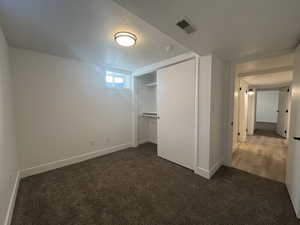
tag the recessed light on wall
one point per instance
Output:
(125, 39)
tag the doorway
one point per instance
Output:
(261, 117)
(263, 150)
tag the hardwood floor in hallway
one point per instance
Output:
(262, 155)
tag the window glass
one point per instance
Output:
(108, 79)
(117, 80)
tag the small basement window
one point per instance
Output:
(117, 80)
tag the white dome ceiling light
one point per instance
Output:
(125, 39)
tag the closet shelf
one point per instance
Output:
(151, 84)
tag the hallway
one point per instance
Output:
(262, 155)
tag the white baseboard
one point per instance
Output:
(202, 172)
(143, 141)
(75, 159)
(146, 141)
(208, 173)
(214, 168)
(12, 200)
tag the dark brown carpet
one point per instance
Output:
(135, 186)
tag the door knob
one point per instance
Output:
(297, 138)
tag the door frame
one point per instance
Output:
(153, 68)
(233, 95)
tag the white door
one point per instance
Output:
(288, 116)
(283, 112)
(286, 113)
(293, 161)
(176, 110)
(251, 113)
(243, 112)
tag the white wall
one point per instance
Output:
(147, 127)
(293, 165)
(146, 94)
(235, 87)
(243, 111)
(251, 113)
(64, 109)
(267, 106)
(8, 157)
(219, 111)
(204, 114)
(213, 112)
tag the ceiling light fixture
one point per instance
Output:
(125, 39)
(250, 91)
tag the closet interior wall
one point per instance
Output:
(147, 108)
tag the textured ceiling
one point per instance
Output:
(232, 29)
(83, 29)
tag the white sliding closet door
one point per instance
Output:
(176, 109)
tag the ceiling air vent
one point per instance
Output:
(184, 25)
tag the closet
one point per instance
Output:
(146, 91)
(166, 111)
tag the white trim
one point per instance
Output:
(12, 201)
(164, 63)
(196, 155)
(231, 119)
(144, 141)
(75, 159)
(208, 173)
(134, 113)
(214, 169)
(202, 172)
